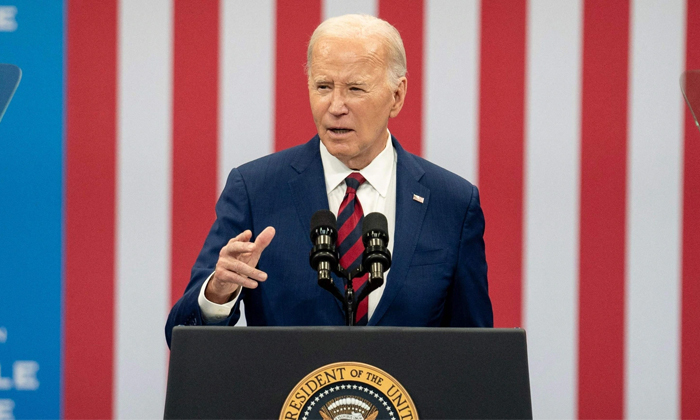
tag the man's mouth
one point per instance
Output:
(339, 130)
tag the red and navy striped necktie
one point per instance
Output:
(350, 247)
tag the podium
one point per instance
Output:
(254, 372)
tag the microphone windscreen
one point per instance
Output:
(374, 222)
(322, 218)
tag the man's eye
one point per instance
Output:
(323, 87)
(356, 89)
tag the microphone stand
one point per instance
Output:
(350, 301)
(327, 265)
(324, 258)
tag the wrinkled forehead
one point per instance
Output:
(330, 47)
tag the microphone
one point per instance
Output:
(376, 258)
(324, 257)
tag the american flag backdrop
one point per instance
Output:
(567, 114)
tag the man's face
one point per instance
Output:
(351, 99)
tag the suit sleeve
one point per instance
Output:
(469, 304)
(233, 216)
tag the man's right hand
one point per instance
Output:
(236, 266)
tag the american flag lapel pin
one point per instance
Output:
(418, 198)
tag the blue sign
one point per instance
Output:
(31, 211)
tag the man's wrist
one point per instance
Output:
(219, 298)
(213, 312)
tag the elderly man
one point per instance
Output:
(356, 68)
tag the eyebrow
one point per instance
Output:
(324, 80)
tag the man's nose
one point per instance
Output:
(337, 103)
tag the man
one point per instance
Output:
(356, 68)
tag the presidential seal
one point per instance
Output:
(348, 391)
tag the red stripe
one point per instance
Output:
(351, 223)
(352, 254)
(407, 17)
(603, 200)
(195, 95)
(501, 137)
(690, 302)
(90, 209)
(296, 21)
(344, 204)
(362, 307)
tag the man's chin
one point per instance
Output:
(339, 151)
(336, 147)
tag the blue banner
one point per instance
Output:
(31, 210)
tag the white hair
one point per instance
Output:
(364, 26)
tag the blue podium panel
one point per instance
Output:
(31, 188)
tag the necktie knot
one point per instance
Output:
(353, 181)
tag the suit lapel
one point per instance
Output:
(309, 188)
(409, 219)
(308, 185)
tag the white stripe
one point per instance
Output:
(246, 70)
(143, 206)
(654, 209)
(451, 85)
(553, 98)
(332, 8)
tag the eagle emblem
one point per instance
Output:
(349, 408)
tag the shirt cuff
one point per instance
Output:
(213, 313)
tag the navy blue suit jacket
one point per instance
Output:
(438, 271)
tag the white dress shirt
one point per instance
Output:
(376, 194)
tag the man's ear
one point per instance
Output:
(399, 97)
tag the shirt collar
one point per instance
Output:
(377, 173)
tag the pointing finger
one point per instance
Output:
(243, 269)
(232, 278)
(235, 248)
